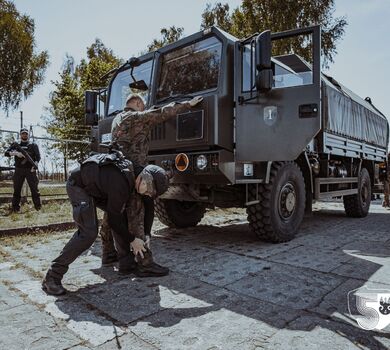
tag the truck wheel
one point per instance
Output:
(174, 213)
(358, 205)
(282, 204)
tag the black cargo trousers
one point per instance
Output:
(84, 215)
(20, 175)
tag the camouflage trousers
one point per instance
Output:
(386, 200)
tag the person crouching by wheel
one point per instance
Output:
(105, 181)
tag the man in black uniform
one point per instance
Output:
(25, 170)
(106, 181)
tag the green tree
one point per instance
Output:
(65, 114)
(21, 67)
(168, 36)
(6, 138)
(100, 60)
(255, 16)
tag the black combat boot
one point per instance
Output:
(146, 267)
(53, 286)
(152, 270)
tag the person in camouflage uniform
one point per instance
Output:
(386, 200)
(131, 130)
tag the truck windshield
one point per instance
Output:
(191, 69)
(120, 88)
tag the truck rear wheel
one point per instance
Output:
(358, 205)
(174, 213)
(282, 204)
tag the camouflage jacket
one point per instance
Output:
(132, 129)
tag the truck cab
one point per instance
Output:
(262, 137)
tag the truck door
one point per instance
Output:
(279, 124)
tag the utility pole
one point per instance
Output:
(21, 119)
(32, 133)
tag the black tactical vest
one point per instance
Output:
(114, 159)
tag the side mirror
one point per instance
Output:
(264, 77)
(91, 116)
(139, 85)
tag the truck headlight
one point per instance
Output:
(201, 162)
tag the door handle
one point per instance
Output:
(308, 110)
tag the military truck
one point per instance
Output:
(273, 133)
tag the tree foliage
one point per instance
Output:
(21, 67)
(65, 114)
(255, 16)
(6, 138)
(168, 36)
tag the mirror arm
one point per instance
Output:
(131, 74)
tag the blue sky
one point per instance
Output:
(69, 26)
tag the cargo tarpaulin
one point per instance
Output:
(348, 115)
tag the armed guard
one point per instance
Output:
(27, 156)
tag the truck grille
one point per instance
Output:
(158, 132)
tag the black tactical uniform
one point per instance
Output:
(24, 171)
(107, 184)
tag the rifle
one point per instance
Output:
(27, 157)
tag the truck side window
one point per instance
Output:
(291, 70)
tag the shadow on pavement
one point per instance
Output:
(301, 285)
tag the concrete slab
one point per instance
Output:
(319, 259)
(170, 253)
(257, 248)
(315, 333)
(217, 329)
(285, 285)
(221, 268)
(25, 327)
(8, 299)
(127, 341)
(273, 315)
(84, 321)
(132, 298)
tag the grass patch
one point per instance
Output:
(45, 188)
(21, 241)
(51, 213)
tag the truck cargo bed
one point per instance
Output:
(347, 115)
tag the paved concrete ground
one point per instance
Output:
(226, 290)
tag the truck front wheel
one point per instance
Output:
(174, 213)
(278, 215)
(357, 205)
